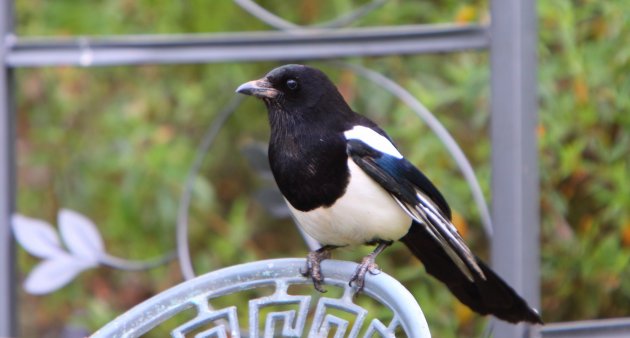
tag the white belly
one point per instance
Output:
(364, 213)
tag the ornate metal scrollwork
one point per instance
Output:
(284, 313)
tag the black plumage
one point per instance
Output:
(346, 184)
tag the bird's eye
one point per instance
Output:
(292, 84)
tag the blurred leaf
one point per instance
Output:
(273, 201)
(465, 14)
(81, 236)
(256, 155)
(53, 273)
(36, 236)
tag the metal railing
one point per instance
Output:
(513, 63)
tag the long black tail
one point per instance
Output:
(486, 296)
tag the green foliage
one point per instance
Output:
(585, 159)
(116, 144)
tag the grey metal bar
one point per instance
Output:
(279, 23)
(515, 192)
(308, 44)
(8, 298)
(602, 328)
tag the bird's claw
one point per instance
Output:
(313, 268)
(367, 265)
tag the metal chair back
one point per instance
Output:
(284, 311)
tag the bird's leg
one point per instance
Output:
(313, 266)
(368, 265)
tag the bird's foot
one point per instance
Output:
(367, 265)
(313, 267)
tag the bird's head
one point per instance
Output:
(296, 91)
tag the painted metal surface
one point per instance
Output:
(602, 328)
(304, 44)
(279, 274)
(8, 290)
(515, 202)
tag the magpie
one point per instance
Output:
(346, 184)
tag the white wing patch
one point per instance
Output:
(373, 139)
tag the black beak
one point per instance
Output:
(259, 88)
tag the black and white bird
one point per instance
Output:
(347, 184)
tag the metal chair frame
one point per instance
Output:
(280, 274)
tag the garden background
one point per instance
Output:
(116, 144)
